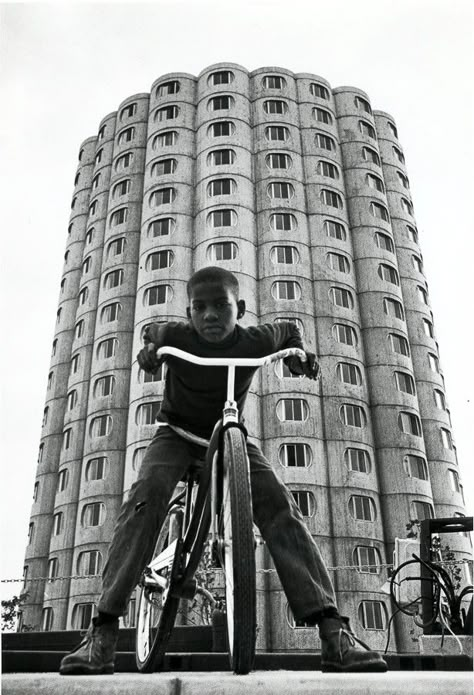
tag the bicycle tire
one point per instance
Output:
(155, 621)
(239, 552)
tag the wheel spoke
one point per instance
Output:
(156, 613)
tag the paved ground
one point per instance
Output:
(256, 683)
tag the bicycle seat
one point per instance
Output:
(194, 438)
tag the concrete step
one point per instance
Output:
(256, 683)
(44, 661)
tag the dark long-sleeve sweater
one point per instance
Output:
(194, 396)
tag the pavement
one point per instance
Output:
(256, 683)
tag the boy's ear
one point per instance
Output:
(240, 308)
(188, 312)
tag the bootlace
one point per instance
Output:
(353, 638)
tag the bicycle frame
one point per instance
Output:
(230, 416)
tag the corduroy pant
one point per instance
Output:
(296, 556)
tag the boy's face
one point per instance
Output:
(214, 311)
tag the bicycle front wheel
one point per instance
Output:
(157, 609)
(239, 552)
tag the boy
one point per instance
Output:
(193, 400)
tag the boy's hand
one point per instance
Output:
(147, 358)
(310, 368)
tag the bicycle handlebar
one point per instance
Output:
(231, 361)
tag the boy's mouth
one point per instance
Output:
(213, 333)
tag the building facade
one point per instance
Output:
(301, 190)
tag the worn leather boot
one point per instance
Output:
(95, 654)
(342, 651)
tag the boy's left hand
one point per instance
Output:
(310, 368)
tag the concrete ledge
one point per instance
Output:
(256, 683)
(447, 644)
(182, 662)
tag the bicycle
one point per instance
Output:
(214, 506)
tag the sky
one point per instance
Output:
(64, 66)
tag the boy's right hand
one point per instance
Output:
(147, 358)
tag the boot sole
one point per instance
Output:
(75, 670)
(375, 667)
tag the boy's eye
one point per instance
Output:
(217, 305)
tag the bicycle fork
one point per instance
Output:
(230, 417)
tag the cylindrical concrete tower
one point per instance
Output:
(300, 190)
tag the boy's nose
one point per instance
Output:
(210, 315)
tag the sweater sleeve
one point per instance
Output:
(155, 333)
(284, 334)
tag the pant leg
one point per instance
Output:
(166, 460)
(296, 556)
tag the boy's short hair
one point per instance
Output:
(214, 274)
